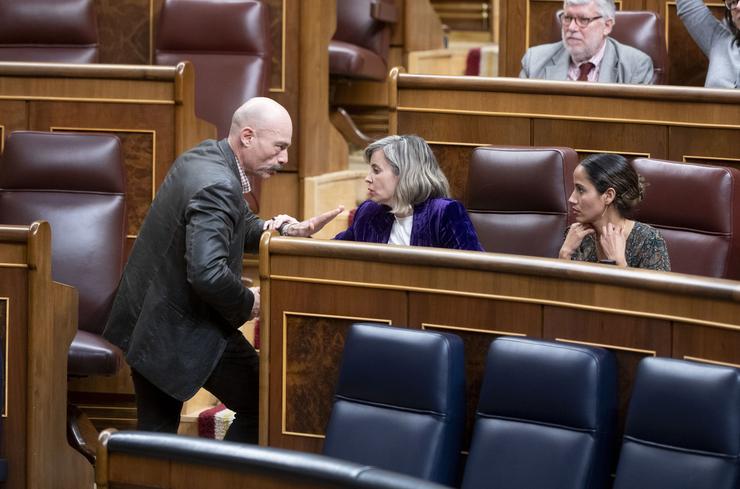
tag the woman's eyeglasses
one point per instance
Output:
(730, 4)
(582, 22)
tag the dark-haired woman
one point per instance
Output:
(606, 189)
(719, 40)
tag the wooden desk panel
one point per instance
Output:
(313, 320)
(458, 113)
(39, 319)
(478, 296)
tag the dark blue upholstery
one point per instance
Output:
(285, 468)
(400, 402)
(683, 427)
(545, 418)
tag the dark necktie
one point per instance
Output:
(585, 69)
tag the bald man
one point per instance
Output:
(181, 300)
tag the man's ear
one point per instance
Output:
(608, 25)
(246, 136)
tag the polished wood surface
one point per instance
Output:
(456, 114)
(312, 290)
(40, 322)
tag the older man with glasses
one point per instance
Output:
(586, 52)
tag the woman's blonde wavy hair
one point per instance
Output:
(419, 175)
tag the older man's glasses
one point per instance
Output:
(731, 4)
(582, 22)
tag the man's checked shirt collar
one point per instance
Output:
(246, 186)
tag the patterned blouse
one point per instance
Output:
(645, 248)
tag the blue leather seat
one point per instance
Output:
(400, 402)
(545, 418)
(683, 427)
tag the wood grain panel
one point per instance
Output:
(148, 473)
(313, 351)
(280, 195)
(593, 137)
(478, 322)
(276, 35)
(464, 128)
(123, 31)
(541, 19)
(13, 117)
(454, 160)
(313, 343)
(13, 289)
(698, 145)
(701, 343)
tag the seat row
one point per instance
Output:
(517, 198)
(545, 417)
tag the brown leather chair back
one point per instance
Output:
(359, 48)
(62, 31)
(228, 43)
(77, 183)
(696, 207)
(640, 29)
(517, 198)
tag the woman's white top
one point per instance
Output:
(401, 230)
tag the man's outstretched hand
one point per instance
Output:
(289, 226)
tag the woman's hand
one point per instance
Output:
(613, 244)
(576, 232)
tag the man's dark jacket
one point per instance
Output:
(181, 294)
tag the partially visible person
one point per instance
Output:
(607, 187)
(586, 52)
(181, 300)
(718, 40)
(409, 200)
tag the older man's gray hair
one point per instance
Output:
(606, 8)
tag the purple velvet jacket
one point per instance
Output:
(441, 223)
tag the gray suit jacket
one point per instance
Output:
(620, 64)
(181, 295)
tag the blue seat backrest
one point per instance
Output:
(545, 417)
(400, 402)
(683, 427)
